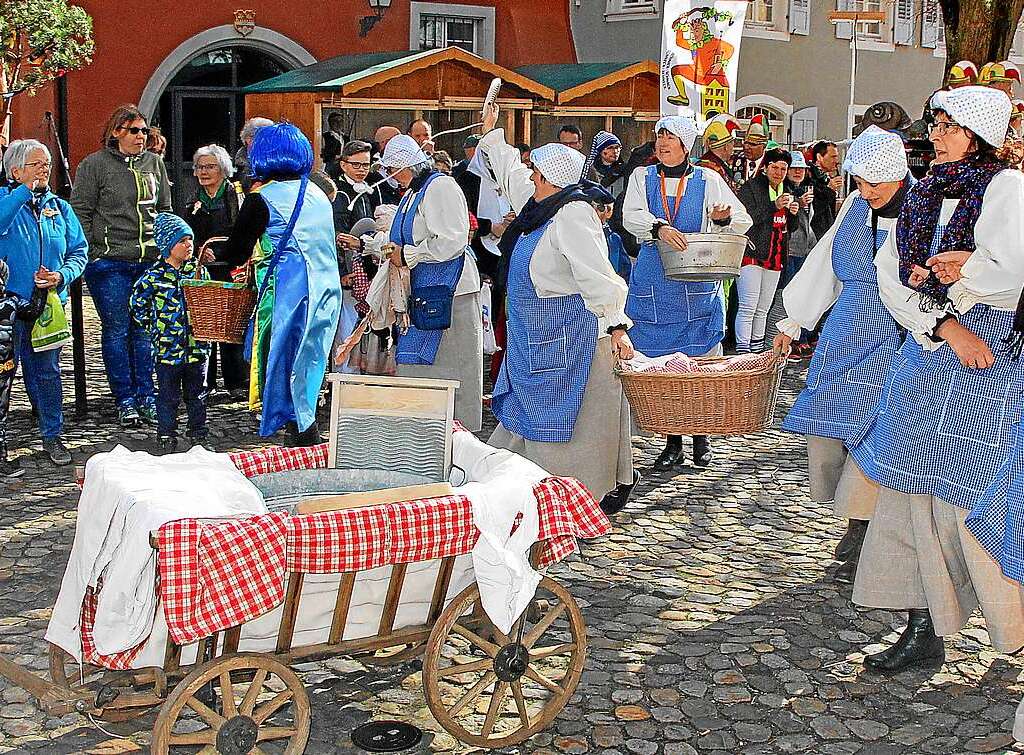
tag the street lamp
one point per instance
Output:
(368, 22)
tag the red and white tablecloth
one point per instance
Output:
(214, 576)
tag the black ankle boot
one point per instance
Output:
(917, 646)
(846, 574)
(672, 455)
(616, 500)
(701, 451)
(852, 540)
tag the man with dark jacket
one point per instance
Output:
(333, 142)
(826, 183)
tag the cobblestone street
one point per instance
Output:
(714, 624)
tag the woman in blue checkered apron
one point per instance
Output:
(430, 235)
(556, 398)
(663, 202)
(859, 338)
(951, 274)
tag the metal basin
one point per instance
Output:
(284, 490)
(708, 257)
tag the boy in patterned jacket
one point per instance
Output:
(158, 305)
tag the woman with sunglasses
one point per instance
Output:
(118, 191)
(951, 274)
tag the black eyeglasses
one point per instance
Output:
(365, 166)
(136, 130)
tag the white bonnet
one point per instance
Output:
(983, 110)
(561, 165)
(877, 156)
(682, 126)
(402, 151)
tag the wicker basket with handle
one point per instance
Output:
(218, 310)
(704, 403)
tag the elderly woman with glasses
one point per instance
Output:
(430, 236)
(951, 274)
(118, 192)
(212, 214)
(288, 221)
(44, 246)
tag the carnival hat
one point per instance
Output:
(962, 74)
(757, 131)
(999, 73)
(719, 130)
(797, 159)
(561, 165)
(984, 111)
(877, 156)
(682, 126)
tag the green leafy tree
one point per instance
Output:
(979, 30)
(40, 40)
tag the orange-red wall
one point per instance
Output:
(132, 39)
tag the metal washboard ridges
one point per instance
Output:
(392, 423)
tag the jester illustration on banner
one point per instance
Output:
(700, 55)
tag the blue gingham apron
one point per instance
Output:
(997, 520)
(940, 428)
(420, 346)
(668, 315)
(550, 347)
(857, 344)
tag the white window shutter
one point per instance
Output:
(800, 17)
(844, 30)
(903, 22)
(931, 22)
(804, 125)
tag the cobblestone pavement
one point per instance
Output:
(714, 625)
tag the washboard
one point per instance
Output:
(392, 423)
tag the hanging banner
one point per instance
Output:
(700, 55)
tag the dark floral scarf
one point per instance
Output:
(966, 180)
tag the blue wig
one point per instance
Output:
(279, 151)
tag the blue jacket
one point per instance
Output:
(50, 234)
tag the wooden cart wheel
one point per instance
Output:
(499, 693)
(256, 699)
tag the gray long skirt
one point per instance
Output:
(600, 452)
(460, 357)
(835, 477)
(918, 554)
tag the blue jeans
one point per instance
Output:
(127, 351)
(789, 271)
(41, 371)
(187, 379)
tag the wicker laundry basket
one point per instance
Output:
(704, 403)
(218, 310)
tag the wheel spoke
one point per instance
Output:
(544, 681)
(207, 714)
(249, 701)
(550, 650)
(274, 732)
(204, 737)
(270, 707)
(465, 668)
(494, 709)
(472, 694)
(488, 647)
(517, 693)
(227, 695)
(542, 626)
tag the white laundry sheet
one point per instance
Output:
(127, 495)
(498, 483)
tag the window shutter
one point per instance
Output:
(844, 30)
(800, 17)
(931, 21)
(903, 22)
(804, 125)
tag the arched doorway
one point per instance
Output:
(203, 104)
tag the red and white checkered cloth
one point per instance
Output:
(217, 575)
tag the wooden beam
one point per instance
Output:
(858, 16)
(637, 69)
(444, 579)
(387, 617)
(289, 613)
(341, 607)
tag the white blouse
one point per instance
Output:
(993, 275)
(815, 288)
(440, 230)
(572, 255)
(638, 219)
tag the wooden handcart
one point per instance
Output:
(485, 687)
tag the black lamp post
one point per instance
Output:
(368, 22)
